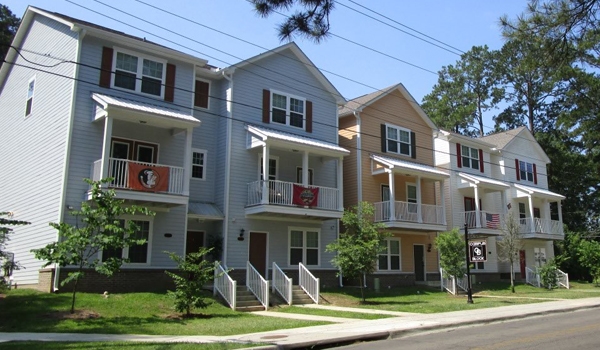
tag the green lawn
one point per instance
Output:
(119, 345)
(134, 313)
(577, 290)
(331, 313)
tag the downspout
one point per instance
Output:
(63, 194)
(358, 155)
(229, 101)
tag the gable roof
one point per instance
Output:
(361, 102)
(295, 49)
(502, 140)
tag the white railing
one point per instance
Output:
(563, 278)
(282, 193)
(463, 283)
(532, 277)
(537, 225)
(487, 219)
(282, 284)
(308, 283)
(447, 283)
(224, 285)
(409, 212)
(257, 285)
(118, 169)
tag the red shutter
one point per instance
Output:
(458, 156)
(201, 94)
(517, 168)
(106, 67)
(309, 116)
(481, 160)
(534, 174)
(170, 83)
(266, 106)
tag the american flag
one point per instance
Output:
(492, 220)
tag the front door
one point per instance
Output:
(258, 252)
(419, 256)
(522, 262)
(194, 241)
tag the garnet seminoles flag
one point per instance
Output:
(148, 178)
(305, 196)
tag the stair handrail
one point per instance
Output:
(532, 277)
(282, 284)
(257, 285)
(448, 283)
(563, 278)
(308, 283)
(224, 285)
(463, 283)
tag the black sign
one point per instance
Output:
(478, 251)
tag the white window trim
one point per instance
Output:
(287, 112)
(388, 255)
(310, 170)
(27, 98)
(524, 169)
(125, 252)
(462, 155)
(209, 87)
(139, 75)
(276, 158)
(118, 139)
(304, 248)
(205, 152)
(399, 128)
(413, 184)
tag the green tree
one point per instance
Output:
(102, 230)
(451, 246)
(195, 272)
(548, 274)
(509, 245)
(9, 23)
(6, 259)
(358, 247)
(312, 21)
(589, 257)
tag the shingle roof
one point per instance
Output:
(501, 139)
(364, 99)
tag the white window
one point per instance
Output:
(389, 258)
(526, 171)
(398, 140)
(470, 157)
(272, 168)
(199, 164)
(539, 255)
(304, 246)
(138, 73)
(411, 197)
(137, 254)
(287, 110)
(29, 103)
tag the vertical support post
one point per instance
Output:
(305, 179)
(106, 143)
(340, 183)
(392, 196)
(469, 291)
(532, 219)
(560, 219)
(419, 202)
(187, 162)
(265, 171)
(477, 208)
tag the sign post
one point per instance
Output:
(469, 292)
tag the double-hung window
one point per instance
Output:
(411, 198)
(29, 103)
(526, 170)
(287, 110)
(389, 257)
(304, 246)
(398, 140)
(199, 164)
(470, 157)
(140, 74)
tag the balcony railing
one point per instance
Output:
(487, 219)
(409, 212)
(537, 225)
(282, 193)
(119, 170)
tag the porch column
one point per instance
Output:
(392, 195)
(105, 163)
(340, 182)
(503, 201)
(546, 223)
(560, 227)
(477, 208)
(419, 202)
(443, 200)
(265, 171)
(187, 162)
(532, 222)
(305, 169)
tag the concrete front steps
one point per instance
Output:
(247, 302)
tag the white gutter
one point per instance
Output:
(227, 74)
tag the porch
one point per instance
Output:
(535, 214)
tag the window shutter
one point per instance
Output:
(534, 174)
(170, 83)
(413, 145)
(106, 67)
(481, 160)
(266, 106)
(201, 94)
(309, 116)
(517, 168)
(458, 156)
(383, 139)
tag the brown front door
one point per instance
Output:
(194, 241)
(258, 252)
(522, 262)
(419, 260)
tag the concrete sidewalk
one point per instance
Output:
(345, 332)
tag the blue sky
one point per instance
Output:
(460, 23)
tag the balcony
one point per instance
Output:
(411, 215)
(279, 200)
(481, 221)
(541, 228)
(139, 181)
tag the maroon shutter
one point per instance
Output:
(458, 156)
(309, 116)
(201, 94)
(106, 67)
(481, 160)
(170, 83)
(517, 168)
(266, 106)
(383, 139)
(413, 145)
(534, 174)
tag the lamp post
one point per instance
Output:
(469, 292)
